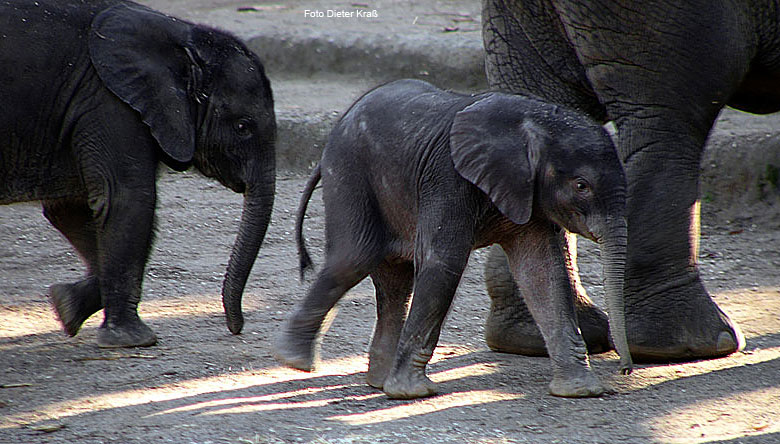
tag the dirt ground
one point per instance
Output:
(201, 384)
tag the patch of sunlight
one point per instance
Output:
(269, 400)
(479, 369)
(426, 406)
(209, 396)
(249, 406)
(40, 318)
(646, 377)
(30, 320)
(447, 351)
(256, 379)
(754, 309)
(741, 415)
(297, 399)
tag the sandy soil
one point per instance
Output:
(202, 385)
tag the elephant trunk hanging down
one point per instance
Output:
(93, 96)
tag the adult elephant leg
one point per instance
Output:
(509, 328)
(76, 302)
(664, 94)
(663, 109)
(669, 314)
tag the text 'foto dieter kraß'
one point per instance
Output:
(340, 13)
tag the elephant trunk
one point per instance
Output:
(613, 253)
(255, 217)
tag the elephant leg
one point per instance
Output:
(118, 168)
(527, 52)
(393, 283)
(510, 327)
(537, 263)
(297, 345)
(441, 254)
(664, 100)
(125, 240)
(355, 245)
(663, 111)
(669, 313)
(75, 303)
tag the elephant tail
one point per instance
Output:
(303, 254)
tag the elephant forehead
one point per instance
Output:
(593, 170)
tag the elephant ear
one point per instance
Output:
(497, 148)
(141, 57)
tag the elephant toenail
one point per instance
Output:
(726, 342)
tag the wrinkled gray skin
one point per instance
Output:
(414, 178)
(93, 96)
(662, 71)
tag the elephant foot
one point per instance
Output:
(416, 385)
(129, 334)
(582, 386)
(378, 369)
(75, 303)
(680, 325)
(506, 333)
(512, 329)
(594, 327)
(294, 351)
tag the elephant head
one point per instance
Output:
(533, 158)
(207, 101)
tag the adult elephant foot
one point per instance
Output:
(510, 328)
(681, 324)
(75, 303)
(133, 332)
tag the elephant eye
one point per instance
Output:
(243, 127)
(582, 185)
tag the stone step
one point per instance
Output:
(319, 65)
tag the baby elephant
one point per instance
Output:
(414, 178)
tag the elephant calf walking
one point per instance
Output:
(415, 178)
(93, 97)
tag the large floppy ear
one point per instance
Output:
(141, 56)
(497, 148)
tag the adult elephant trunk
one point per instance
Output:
(258, 204)
(613, 244)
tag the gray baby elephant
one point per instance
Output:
(414, 178)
